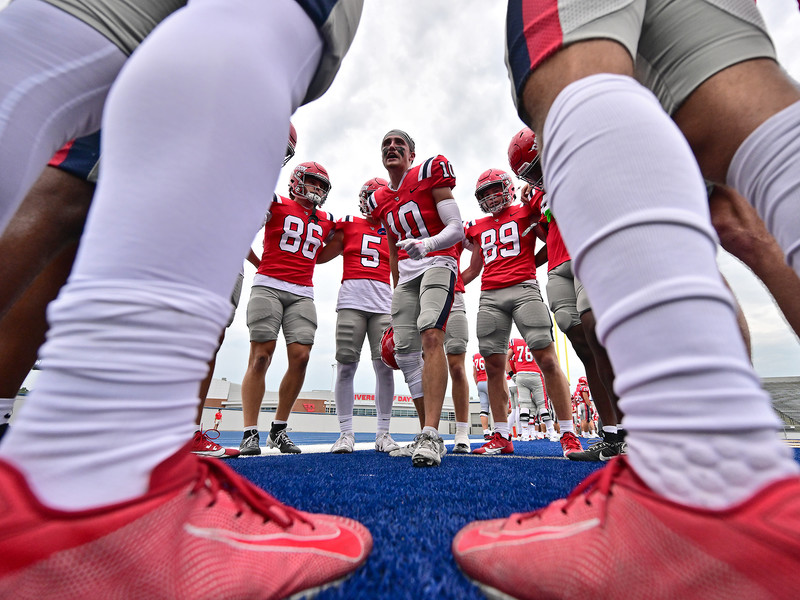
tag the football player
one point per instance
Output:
(626, 185)
(423, 224)
(456, 336)
(479, 376)
(530, 383)
(282, 297)
(362, 310)
(509, 291)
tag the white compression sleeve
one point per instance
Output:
(766, 170)
(133, 330)
(658, 251)
(52, 89)
(453, 231)
(384, 393)
(345, 395)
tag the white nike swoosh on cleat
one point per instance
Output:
(322, 545)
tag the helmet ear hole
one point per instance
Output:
(494, 191)
(299, 186)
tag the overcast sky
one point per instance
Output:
(436, 70)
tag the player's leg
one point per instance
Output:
(55, 75)
(264, 318)
(299, 328)
(203, 442)
(384, 383)
(483, 398)
(742, 233)
(351, 329)
(659, 252)
(493, 328)
(455, 347)
(436, 294)
(533, 321)
(141, 315)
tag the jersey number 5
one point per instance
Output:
(370, 257)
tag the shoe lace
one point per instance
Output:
(599, 482)
(282, 438)
(217, 478)
(570, 440)
(206, 433)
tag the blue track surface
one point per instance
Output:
(414, 513)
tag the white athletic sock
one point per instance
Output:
(502, 428)
(345, 395)
(430, 431)
(124, 357)
(647, 229)
(566, 426)
(462, 428)
(384, 394)
(766, 170)
(609, 429)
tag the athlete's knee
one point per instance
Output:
(411, 366)
(298, 355)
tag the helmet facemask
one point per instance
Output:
(494, 191)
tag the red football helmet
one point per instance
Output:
(494, 191)
(291, 145)
(366, 190)
(387, 348)
(310, 174)
(583, 380)
(523, 158)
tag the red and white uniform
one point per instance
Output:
(522, 359)
(556, 250)
(480, 367)
(366, 274)
(292, 241)
(508, 258)
(581, 401)
(409, 212)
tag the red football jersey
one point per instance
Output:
(366, 251)
(556, 250)
(580, 388)
(292, 241)
(522, 359)
(480, 366)
(508, 258)
(410, 211)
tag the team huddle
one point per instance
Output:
(648, 113)
(402, 288)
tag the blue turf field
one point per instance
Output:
(414, 513)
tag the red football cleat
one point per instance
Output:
(203, 444)
(639, 545)
(570, 443)
(497, 444)
(201, 532)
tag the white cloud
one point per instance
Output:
(445, 83)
